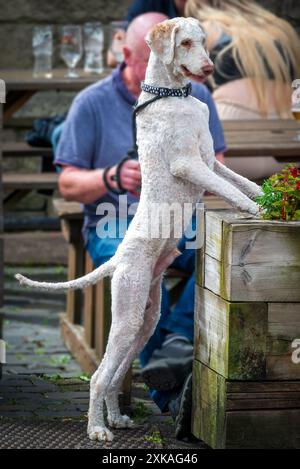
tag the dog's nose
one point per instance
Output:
(207, 69)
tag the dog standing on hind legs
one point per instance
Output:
(178, 164)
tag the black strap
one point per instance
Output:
(160, 93)
(137, 108)
(108, 186)
(131, 154)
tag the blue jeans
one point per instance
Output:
(179, 320)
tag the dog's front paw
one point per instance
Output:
(100, 434)
(123, 421)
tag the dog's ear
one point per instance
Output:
(161, 40)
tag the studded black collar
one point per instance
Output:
(167, 92)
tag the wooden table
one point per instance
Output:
(20, 86)
(277, 138)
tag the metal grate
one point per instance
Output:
(37, 434)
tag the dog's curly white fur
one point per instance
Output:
(178, 164)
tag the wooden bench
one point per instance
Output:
(17, 185)
(22, 149)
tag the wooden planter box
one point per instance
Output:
(1, 325)
(246, 387)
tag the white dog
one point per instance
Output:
(177, 164)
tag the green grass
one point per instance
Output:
(155, 438)
(54, 378)
(60, 360)
(84, 377)
(141, 413)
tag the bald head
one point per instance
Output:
(139, 27)
(136, 51)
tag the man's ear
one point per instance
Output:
(162, 40)
(126, 54)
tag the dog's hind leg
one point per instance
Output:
(151, 318)
(129, 297)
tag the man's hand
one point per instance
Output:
(130, 176)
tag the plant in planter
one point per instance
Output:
(281, 198)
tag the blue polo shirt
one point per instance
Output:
(97, 132)
(139, 7)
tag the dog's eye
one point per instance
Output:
(186, 43)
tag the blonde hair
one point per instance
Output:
(262, 45)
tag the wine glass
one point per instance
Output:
(93, 46)
(42, 48)
(296, 103)
(71, 48)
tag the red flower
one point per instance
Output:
(298, 185)
(294, 172)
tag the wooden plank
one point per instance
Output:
(277, 138)
(262, 387)
(89, 305)
(1, 337)
(34, 181)
(240, 264)
(14, 101)
(102, 315)
(12, 198)
(22, 149)
(255, 402)
(258, 124)
(263, 429)
(68, 209)
(73, 336)
(127, 387)
(253, 282)
(231, 338)
(1, 212)
(35, 248)
(246, 341)
(247, 420)
(208, 408)
(213, 202)
(283, 329)
(74, 297)
(289, 150)
(19, 80)
(75, 269)
(254, 240)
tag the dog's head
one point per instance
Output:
(182, 43)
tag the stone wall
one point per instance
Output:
(17, 17)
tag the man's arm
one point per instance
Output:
(79, 180)
(87, 186)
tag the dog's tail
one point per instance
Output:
(93, 277)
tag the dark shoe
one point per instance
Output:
(169, 365)
(181, 410)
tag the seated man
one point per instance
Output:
(96, 137)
